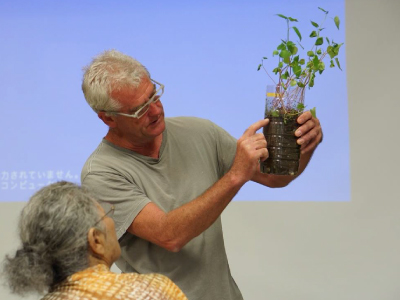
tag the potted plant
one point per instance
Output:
(296, 70)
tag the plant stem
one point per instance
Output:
(287, 21)
(268, 74)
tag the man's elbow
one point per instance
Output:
(172, 245)
(172, 240)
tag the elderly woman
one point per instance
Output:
(68, 246)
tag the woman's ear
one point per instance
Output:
(97, 243)
(108, 120)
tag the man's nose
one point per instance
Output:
(155, 108)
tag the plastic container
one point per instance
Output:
(281, 108)
(284, 152)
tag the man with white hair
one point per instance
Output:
(171, 178)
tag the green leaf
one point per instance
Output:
(337, 21)
(328, 41)
(333, 50)
(313, 34)
(297, 70)
(297, 32)
(274, 113)
(313, 112)
(329, 50)
(282, 16)
(265, 57)
(323, 10)
(316, 63)
(276, 52)
(332, 65)
(336, 48)
(319, 51)
(293, 20)
(285, 54)
(286, 60)
(293, 82)
(296, 59)
(280, 65)
(300, 106)
(290, 46)
(302, 61)
(338, 64)
(311, 83)
(314, 24)
(321, 66)
(281, 46)
(319, 41)
(276, 70)
(310, 53)
(259, 67)
(300, 84)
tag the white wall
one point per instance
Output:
(314, 251)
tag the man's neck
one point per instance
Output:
(150, 148)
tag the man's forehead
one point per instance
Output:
(145, 90)
(134, 95)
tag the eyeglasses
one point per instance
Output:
(110, 213)
(141, 110)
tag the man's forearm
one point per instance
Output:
(176, 228)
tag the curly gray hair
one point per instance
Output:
(111, 70)
(53, 230)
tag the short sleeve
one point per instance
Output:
(114, 189)
(226, 149)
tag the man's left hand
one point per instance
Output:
(309, 133)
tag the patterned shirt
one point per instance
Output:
(99, 283)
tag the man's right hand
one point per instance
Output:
(251, 149)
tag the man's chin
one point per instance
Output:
(158, 126)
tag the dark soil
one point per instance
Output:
(284, 152)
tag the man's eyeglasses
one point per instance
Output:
(141, 110)
(110, 213)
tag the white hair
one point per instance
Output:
(53, 229)
(110, 71)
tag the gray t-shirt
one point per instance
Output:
(194, 154)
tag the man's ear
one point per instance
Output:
(97, 242)
(108, 120)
